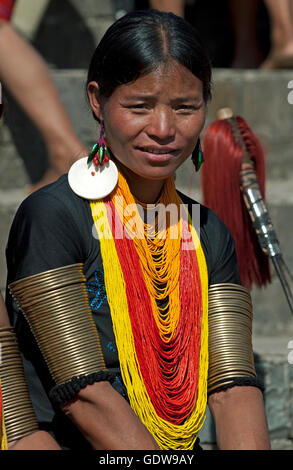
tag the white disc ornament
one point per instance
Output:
(90, 181)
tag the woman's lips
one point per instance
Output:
(158, 154)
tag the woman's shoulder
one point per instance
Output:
(53, 208)
(59, 191)
(209, 220)
(55, 198)
(50, 229)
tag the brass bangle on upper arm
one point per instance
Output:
(231, 359)
(55, 304)
(19, 416)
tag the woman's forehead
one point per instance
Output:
(170, 79)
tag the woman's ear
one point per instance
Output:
(93, 91)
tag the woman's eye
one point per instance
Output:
(185, 107)
(140, 106)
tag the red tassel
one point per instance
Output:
(6, 8)
(222, 193)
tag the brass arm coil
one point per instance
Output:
(230, 328)
(55, 304)
(19, 416)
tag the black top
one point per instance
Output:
(53, 228)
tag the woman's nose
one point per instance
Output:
(162, 125)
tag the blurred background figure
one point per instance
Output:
(26, 76)
(281, 18)
(175, 6)
(248, 52)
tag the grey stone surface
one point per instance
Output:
(271, 361)
(94, 8)
(276, 444)
(12, 169)
(9, 201)
(290, 380)
(71, 85)
(282, 444)
(276, 399)
(97, 16)
(70, 30)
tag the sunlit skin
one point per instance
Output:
(162, 111)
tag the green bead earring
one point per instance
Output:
(99, 154)
(197, 156)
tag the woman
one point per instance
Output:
(136, 378)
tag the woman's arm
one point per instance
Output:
(39, 440)
(26, 76)
(107, 421)
(239, 418)
(4, 320)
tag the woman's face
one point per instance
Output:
(152, 125)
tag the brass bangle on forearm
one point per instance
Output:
(56, 306)
(230, 337)
(19, 416)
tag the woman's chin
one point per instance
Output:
(154, 171)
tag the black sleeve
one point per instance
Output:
(43, 236)
(217, 244)
(220, 250)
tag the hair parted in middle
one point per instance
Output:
(141, 41)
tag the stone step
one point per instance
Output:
(251, 94)
(9, 202)
(276, 444)
(272, 356)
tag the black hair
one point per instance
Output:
(139, 42)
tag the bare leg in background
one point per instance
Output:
(26, 76)
(281, 18)
(175, 6)
(247, 52)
